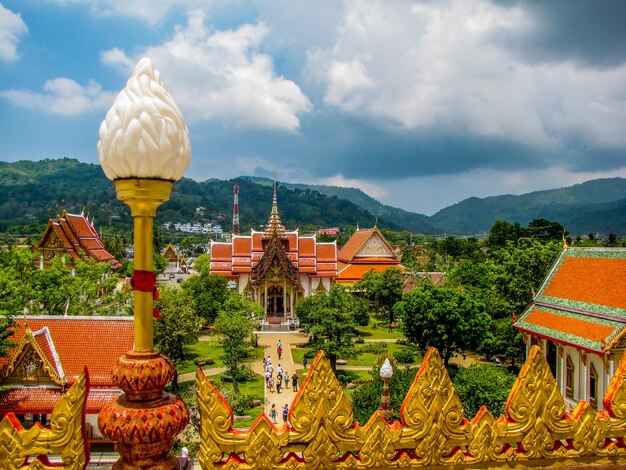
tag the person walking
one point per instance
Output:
(279, 369)
(279, 382)
(304, 359)
(273, 413)
(294, 381)
(285, 413)
(280, 352)
(184, 463)
(287, 380)
(271, 384)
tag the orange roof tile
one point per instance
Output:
(356, 271)
(221, 251)
(326, 252)
(241, 246)
(571, 326)
(353, 244)
(306, 247)
(43, 400)
(95, 342)
(600, 281)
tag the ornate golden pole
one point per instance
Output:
(143, 148)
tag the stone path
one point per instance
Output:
(268, 340)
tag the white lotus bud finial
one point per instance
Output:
(386, 371)
(144, 134)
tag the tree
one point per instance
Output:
(178, 325)
(208, 293)
(519, 270)
(545, 230)
(6, 331)
(366, 397)
(384, 289)
(116, 245)
(330, 319)
(483, 384)
(445, 318)
(202, 264)
(502, 232)
(235, 324)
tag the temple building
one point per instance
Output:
(73, 235)
(50, 353)
(170, 253)
(578, 318)
(365, 251)
(275, 267)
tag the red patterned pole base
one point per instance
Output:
(144, 421)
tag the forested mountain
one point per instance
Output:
(595, 206)
(30, 192)
(411, 221)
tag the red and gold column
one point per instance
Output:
(145, 420)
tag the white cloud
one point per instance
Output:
(372, 189)
(439, 66)
(151, 11)
(223, 75)
(63, 96)
(12, 28)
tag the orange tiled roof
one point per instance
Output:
(43, 400)
(582, 302)
(353, 244)
(355, 272)
(77, 234)
(95, 342)
(600, 281)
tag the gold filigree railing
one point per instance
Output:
(65, 438)
(537, 429)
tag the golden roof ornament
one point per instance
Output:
(274, 225)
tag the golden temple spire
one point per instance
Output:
(274, 225)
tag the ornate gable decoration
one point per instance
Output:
(29, 364)
(274, 263)
(66, 436)
(537, 430)
(375, 246)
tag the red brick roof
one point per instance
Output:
(353, 244)
(95, 342)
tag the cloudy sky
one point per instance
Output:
(419, 103)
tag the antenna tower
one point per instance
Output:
(235, 228)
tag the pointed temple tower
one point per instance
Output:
(276, 267)
(235, 228)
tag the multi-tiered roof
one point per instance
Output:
(75, 235)
(582, 302)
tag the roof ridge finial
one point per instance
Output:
(274, 225)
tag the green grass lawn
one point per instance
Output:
(369, 358)
(205, 351)
(254, 388)
(374, 331)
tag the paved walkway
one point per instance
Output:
(269, 340)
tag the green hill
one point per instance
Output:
(30, 192)
(594, 206)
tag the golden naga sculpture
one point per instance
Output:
(537, 430)
(66, 436)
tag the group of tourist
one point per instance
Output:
(274, 413)
(282, 377)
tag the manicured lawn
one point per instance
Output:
(369, 358)
(205, 351)
(373, 331)
(254, 388)
(298, 353)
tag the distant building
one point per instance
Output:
(170, 253)
(73, 235)
(578, 318)
(328, 231)
(49, 355)
(365, 251)
(274, 267)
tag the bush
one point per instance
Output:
(238, 402)
(483, 384)
(404, 356)
(244, 374)
(374, 348)
(359, 340)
